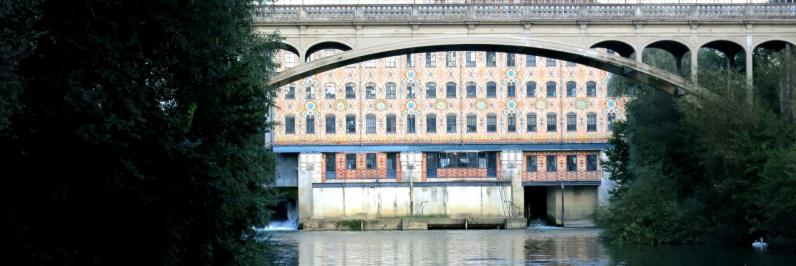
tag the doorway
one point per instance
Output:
(536, 204)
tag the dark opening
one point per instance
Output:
(536, 203)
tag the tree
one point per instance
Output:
(140, 134)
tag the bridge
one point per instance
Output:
(572, 32)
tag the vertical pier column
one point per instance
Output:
(511, 163)
(309, 171)
(749, 75)
(411, 171)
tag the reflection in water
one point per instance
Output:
(501, 247)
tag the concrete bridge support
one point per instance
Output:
(309, 171)
(511, 163)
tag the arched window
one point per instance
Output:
(551, 122)
(491, 89)
(410, 123)
(450, 90)
(530, 121)
(290, 124)
(450, 123)
(350, 124)
(349, 91)
(491, 123)
(310, 93)
(431, 90)
(471, 123)
(370, 90)
(511, 90)
(551, 89)
(511, 122)
(410, 91)
(330, 91)
(330, 124)
(389, 90)
(310, 122)
(530, 89)
(291, 92)
(390, 123)
(370, 124)
(571, 89)
(431, 123)
(572, 122)
(470, 86)
(591, 122)
(611, 121)
(591, 89)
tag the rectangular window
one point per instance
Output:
(310, 125)
(471, 92)
(450, 59)
(390, 61)
(511, 90)
(511, 121)
(389, 91)
(571, 89)
(530, 163)
(551, 122)
(509, 59)
(591, 162)
(390, 124)
(491, 123)
(350, 124)
(351, 161)
(470, 58)
(291, 92)
(310, 93)
(349, 91)
(430, 60)
(330, 91)
(370, 161)
(450, 90)
(290, 125)
(370, 124)
(551, 163)
(591, 89)
(410, 60)
(551, 89)
(431, 90)
(530, 89)
(330, 124)
(491, 90)
(410, 124)
(331, 165)
(550, 62)
(451, 123)
(572, 120)
(431, 124)
(591, 122)
(491, 61)
(570, 64)
(572, 163)
(410, 92)
(289, 60)
(531, 122)
(370, 91)
(471, 126)
(530, 60)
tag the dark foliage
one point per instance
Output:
(132, 132)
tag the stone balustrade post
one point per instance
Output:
(302, 13)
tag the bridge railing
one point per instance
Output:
(452, 12)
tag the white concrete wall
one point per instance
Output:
(374, 202)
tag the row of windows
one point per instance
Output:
(450, 90)
(450, 123)
(551, 163)
(451, 58)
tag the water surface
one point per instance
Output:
(495, 247)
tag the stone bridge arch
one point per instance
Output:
(660, 79)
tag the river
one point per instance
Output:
(537, 246)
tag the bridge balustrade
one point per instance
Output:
(443, 12)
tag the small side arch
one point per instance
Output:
(326, 45)
(622, 48)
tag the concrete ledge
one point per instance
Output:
(412, 223)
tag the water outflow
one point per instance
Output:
(539, 224)
(285, 225)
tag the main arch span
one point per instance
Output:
(657, 78)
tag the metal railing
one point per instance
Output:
(522, 12)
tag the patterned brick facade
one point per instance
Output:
(561, 174)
